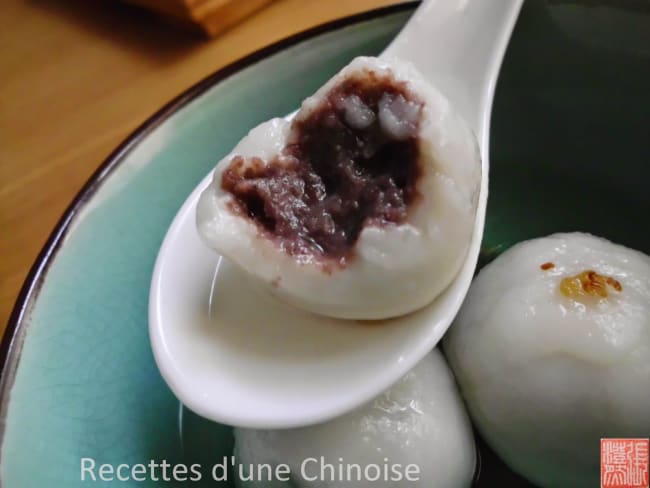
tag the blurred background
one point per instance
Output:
(77, 76)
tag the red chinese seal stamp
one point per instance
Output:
(624, 463)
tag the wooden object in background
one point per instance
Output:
(209, 16)
(78, 76)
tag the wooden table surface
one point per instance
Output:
(77, 76)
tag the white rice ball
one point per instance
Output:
(551, 350)
(420, 421)
(394, 268)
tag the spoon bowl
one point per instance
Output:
(235, 355)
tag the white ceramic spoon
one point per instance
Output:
(235, 355)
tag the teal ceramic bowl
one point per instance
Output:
(569, 152)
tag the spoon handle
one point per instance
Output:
(459, 45)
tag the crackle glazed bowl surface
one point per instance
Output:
(569, 151)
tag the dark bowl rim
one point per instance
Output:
(18, 320)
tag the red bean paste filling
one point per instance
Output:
(337, 174)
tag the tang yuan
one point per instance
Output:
(551, 350)
(362, 206)
(416, 434)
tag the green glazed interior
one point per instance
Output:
(570, 142)
(569, 152)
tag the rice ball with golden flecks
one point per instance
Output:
(551, 350)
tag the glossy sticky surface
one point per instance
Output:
(425, 261)
(86, 383)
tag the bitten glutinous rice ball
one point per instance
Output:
(362, 206)
(551, 350)
(416, 434)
